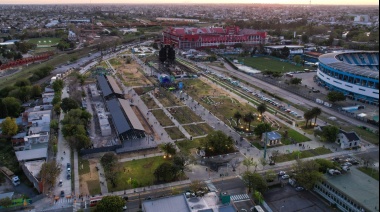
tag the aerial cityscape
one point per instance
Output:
(189, 106)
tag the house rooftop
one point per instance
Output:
(351, 136)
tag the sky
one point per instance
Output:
(319, 2)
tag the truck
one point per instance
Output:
(10, 175)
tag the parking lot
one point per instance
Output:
(288, 199)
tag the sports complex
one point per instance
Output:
(356, 74)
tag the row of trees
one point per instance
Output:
(74, 128)
(310, 114)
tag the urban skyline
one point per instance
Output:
(296, 2)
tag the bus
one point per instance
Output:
(95, 200)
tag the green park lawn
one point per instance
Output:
(269, 64)
(296, 136)
(162, 118)
(187, 146)
(174, 133)
(83, 166)
(138, 173)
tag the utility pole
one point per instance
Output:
(265, 145)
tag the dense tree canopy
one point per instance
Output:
(262, 128)
(110, 203)
(336, 96)
(217, 143)
(68, 103)
(328, 133)
(12, 106)
(254, 182)
(307, 173)
(9, 126)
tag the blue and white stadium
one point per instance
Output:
(356, 74)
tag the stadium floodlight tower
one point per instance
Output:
(166, 56)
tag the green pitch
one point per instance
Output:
(44, 41)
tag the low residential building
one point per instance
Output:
(353, 191)
(274, 138)
(32, 171)
(347, 140)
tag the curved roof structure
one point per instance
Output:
(331, 59)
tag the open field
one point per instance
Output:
(149, 102)
(198, 129)
(162, 118)
(26, 72)
(292, 134)
(174, 133)
(138, 173)
(216, 100)
(184, 115)
(44, 41)
(269, 64)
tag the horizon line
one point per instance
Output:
(81, 3)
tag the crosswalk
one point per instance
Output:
(63, 200)
(239, 197)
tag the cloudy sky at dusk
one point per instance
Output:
(325, 2)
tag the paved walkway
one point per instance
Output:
(102, 179)
(176, 123)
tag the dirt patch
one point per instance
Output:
(131, 74)
(91, 176)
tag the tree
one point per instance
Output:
(295, 81)
(36, 91)
(261, 108)
(12, 106)
(58, 85)
(165, 172)
(263, 162)
(304, 38)
(248, 163)
(316, 112)
(237, 116)
(5, 202)
(297, 59)
(49, 173)
(254, 182)
(181, 161)
(68, 104)
(262, 128)
(109, 162)
(196, 185)
(324, 164)
(274, 155)
(285, 52)
(110, 203)
(217, 143)
(307, 173)
(329, 133)
(248, 118)
(22, 83)
(168, 149)
(9, 126)
(308, 115)
(336, 96)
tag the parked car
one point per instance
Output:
(300, 188)
(62, 193)
(285, 176)
(68, 166)
(68, 176)
(281, 173)
(347, 164)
